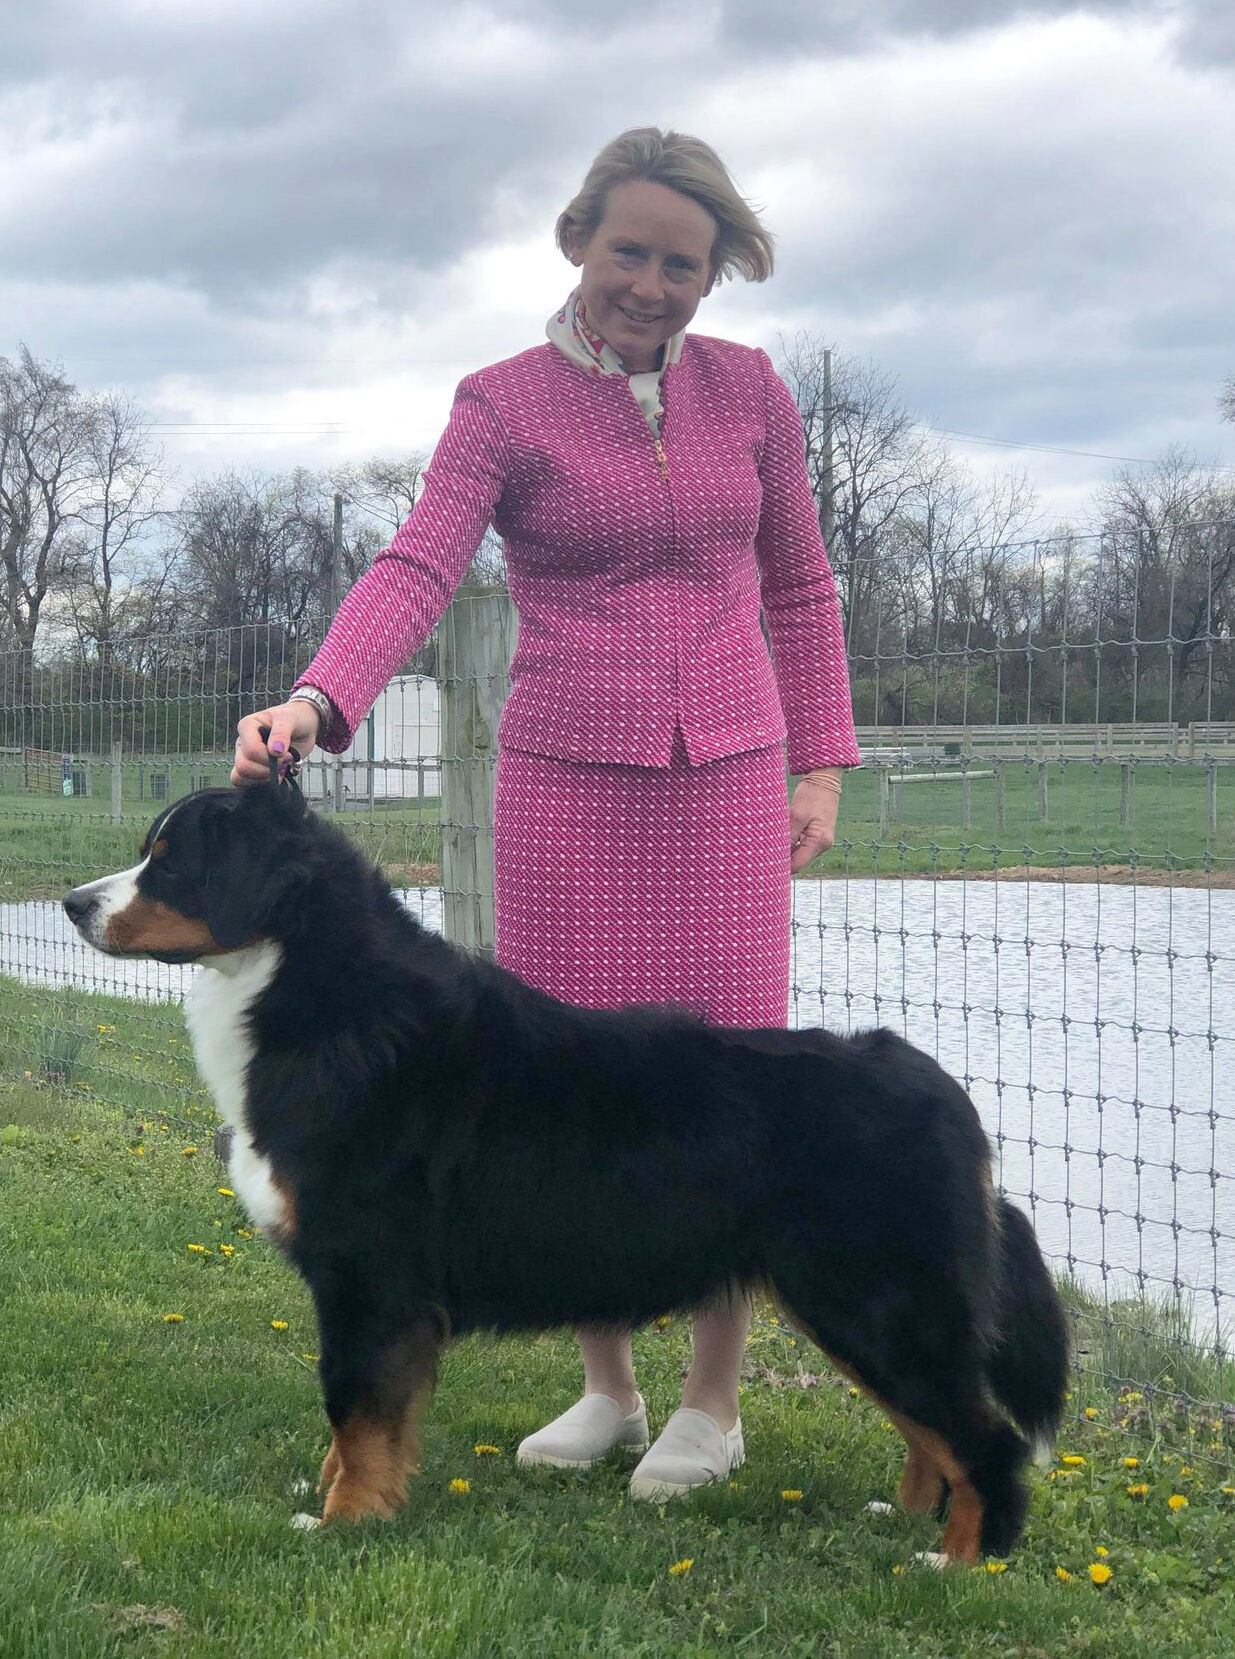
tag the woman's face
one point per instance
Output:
(645, 269)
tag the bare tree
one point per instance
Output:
(1226, 400)
(120, 571)
(876, 459)
(1168, 533)
(45, 481)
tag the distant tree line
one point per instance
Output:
(118, 603)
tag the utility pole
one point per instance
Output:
(829, 510)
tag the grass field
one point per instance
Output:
(150, 1467)
(47, 843)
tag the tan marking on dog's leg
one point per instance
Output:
(330, 1467)
(377, 1456)
(926, 1450)
(962, 1536)
(370, 1479)
(921, 1484)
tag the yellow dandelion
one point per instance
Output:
(1100, 1549)
(853, 1393)
(1090, 1413)
(1071, 1460)
(735, 1485)
(1132, 1462)
(1228, 1491)
(225, 1192)
(139, 1151)
(791, 1495)
(1140, 1490)
(1099, 1572)
(1186, 1469)
(682, 1566)
(278, 1324)
(996, 1566)
(662, 1323)
(898, 1570)
(487, 1451)
(243, 1232)
(197, 1249)
(1063, 1575)
(188, 1151)
(1176, 1502)
(1132, 1396)
(227, 1249)
(460, 1486)
(173, 1319)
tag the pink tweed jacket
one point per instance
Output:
(637, 569)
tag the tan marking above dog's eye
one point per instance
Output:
(159, 850)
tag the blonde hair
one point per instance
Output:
(693, 169)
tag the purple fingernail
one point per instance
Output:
(277, 748)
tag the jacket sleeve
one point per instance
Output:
(392, 608)
(799, 595)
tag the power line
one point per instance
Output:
(1049, 449)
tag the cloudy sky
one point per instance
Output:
(288, 227)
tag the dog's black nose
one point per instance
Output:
(78, 904)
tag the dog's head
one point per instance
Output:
(214, 870)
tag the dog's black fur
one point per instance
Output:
(460, 1151)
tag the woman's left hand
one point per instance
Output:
(812, 819)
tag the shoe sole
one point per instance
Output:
(660, 1491)
(544, 1460)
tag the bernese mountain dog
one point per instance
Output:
(439, 1148)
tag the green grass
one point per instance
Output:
(150, 1466)
(48, 843)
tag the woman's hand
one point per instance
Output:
(812, 816)
(292, 725)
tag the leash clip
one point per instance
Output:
(283, 768)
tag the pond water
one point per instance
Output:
(1094, 1027)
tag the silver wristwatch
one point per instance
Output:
(319, 700)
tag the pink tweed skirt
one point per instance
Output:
(618, 884)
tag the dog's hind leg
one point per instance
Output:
(929, 1385)
(375, 1398)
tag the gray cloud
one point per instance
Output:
(184, 177)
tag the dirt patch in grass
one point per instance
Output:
(1088, 875)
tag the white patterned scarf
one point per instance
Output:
(572, 334)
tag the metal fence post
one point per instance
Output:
(475, 639)
(117, 786)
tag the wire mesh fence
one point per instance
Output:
(1034, 880)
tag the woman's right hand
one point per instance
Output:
(292, 725)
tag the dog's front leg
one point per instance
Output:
(376, 1394)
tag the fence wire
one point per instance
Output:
(1034, 880)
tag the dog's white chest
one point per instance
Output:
(217, 1012)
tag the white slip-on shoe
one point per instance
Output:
(581, 1436)
(692, 1450)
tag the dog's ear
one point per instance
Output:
(251, 862)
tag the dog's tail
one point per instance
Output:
(1028, 1366)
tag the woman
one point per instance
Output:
(652, 493)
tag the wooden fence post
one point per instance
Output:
(1042, 791)
(1125, 790)
(117, 783)
(475, 641)
(1001, 805)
